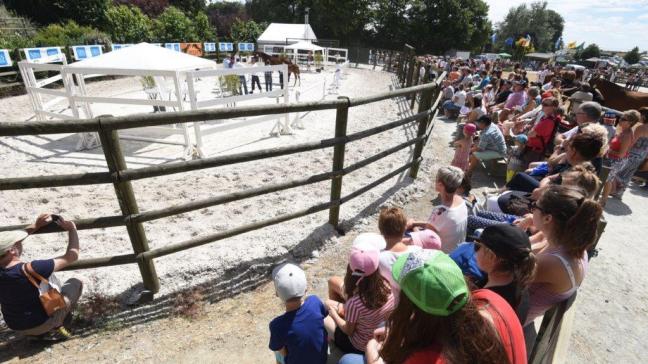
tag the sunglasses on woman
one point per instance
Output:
(533, 205)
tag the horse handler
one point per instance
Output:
(22, 304)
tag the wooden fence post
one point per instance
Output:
(410, 74)
(424, 105)
(415, 81)
(128, 204)
(341, 119)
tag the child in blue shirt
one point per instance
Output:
(297, 336)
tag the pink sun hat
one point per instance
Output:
(364, 259)
(469, 129)
(426, 239)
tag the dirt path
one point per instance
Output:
(611, 319)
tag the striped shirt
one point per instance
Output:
(365, 319)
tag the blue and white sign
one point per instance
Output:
(226, 47)
(5, 60)
(83, 51)
(209, 47)
(44, 55)
(120, 46)
(172, 46)
(246, 47)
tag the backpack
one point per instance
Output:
(48, 292)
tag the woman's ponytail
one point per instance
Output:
(582, 230)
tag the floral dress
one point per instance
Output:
(461, 155)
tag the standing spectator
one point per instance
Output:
(369, 302)
(463, 147)
(438, 320)
(297, 336)
(268, 78)
(21, 307)
(449, 219)
(243, 90)
(618, 151)
(491, 144)
(255, 75)
(636, 156)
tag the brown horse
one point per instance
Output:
(618, 98)
(278, 60)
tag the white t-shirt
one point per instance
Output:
(451, 224)
(461, 98)
(387, 260)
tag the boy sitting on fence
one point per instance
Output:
(23, 307)
(297, 336)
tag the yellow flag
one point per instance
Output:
(571, 45)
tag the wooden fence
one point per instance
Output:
(120, 175)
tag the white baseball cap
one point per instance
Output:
(289, 281)
(9, 238)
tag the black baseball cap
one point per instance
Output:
(506, 241)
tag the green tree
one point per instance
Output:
(174, 26)
(222, 15)
(246, 31)
(633, 56)
(127, 24)
(68, 34)
(204, 31)
(86, 12)
(590, 51)
(544, 26)
(191, 7)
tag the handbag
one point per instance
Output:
(49, 295)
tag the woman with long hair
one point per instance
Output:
(636, 155)
(369, 302)
(504, 253)
(438, 319)
(567, 219)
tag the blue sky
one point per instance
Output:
(613, 24)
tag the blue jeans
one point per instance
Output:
(352, 359)
(449, 105)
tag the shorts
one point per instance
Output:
(71, 292)
(488, 155)
(343, 342)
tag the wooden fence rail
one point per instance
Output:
(121, 176)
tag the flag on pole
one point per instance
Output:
(571, 45)
(558, 43)
(581, 47)
(509, 41)
(493, 38)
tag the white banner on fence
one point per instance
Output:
(226, 47)
(209, 47)
(120, 46)
(172, 46)
(246, 47)
(5, 59)
(44, 55)
(81, 52)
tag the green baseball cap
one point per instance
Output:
(10, 238)
(432, 281)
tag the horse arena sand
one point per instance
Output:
(611, 318)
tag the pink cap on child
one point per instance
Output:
(364, 259)
(426, 239)
(469, 129)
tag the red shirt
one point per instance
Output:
(506, 324)
(544, 130)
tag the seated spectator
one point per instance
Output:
(515, 100)
(588, 112)
(392, 223)
(583, 94)
(451, 107)
(297, 336)
(503, 92)
(454, 75)
(541, 136)
(450, 218)
(504, 253)
(485, 80)
(491, 144)
(448, 91)
(21, 307)
(568, 221)
(369, 302)
(476, 110)
(438, 320)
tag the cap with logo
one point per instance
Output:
(289, 281)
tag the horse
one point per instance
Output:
(618, 98)
(278, 60)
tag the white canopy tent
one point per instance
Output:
(281, 33)
(303, 46)
(139, 60)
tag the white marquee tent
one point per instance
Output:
(280, 33)
(305, 46)
(139, 60)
